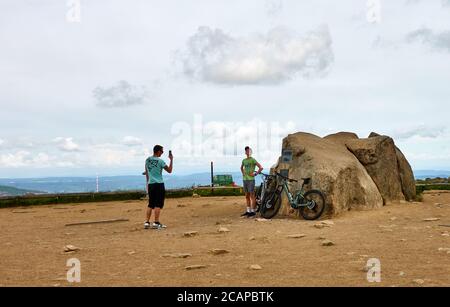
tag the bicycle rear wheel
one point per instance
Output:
(316, 201)
(270, 205)
(258, 197)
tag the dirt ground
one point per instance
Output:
(411, 250)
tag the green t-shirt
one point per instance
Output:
(154, 167)
(249, 168)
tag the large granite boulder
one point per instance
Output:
(333, 169)
(405, 171)
(353, 173)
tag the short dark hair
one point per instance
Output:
(246, 147)
(157, 148)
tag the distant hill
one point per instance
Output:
(12, 191)
(135, 182)
(111, 183)
(423, 174)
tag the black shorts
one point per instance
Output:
(156, 195)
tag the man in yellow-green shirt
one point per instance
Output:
(248, 172)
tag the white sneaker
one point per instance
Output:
(158, 226)
(146, 225)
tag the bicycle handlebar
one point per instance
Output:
(279, 175)
(286, 178)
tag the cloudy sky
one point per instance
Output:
(90, 86)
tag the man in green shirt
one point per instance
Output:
(248, 172)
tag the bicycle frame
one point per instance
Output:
(295, 201)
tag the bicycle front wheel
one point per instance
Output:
(270, 205)
(315, 205)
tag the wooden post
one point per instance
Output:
(212, 174)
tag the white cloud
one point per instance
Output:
(24, 158)
(422, 131)
(275, 57)
(1, 142)
(435, 40)
(273, 7)
(67, 144)
(121, 95)
(131, 141)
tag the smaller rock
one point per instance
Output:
(177, 255)
(219, 251)
(262, 220)
(418, 281)
(223, 230)
(255, 267)
(401, 273)
(296, 236)
(70, 248)
(195, 267)
(444, 249)
(131, 253)
(83, 211)
(431, 219)
(323, 224)
(327, 243)
(195, 195)
(190, 233)
(393, 218)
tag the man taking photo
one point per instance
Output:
(155, 185)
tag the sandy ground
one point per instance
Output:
(124, 254)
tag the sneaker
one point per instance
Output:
(245, 214)
(158, 226)
(146, 225)
(251, 215)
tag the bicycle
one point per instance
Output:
(310, 204)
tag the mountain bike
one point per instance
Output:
(310, 204)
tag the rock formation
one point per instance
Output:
(353, 173)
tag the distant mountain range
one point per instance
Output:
(423, 174)
(23, 186)
(111, 183)
(12, 191)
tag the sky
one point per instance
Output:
(90, 86)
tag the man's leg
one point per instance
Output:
(149, 214)
(249, 201)
(157, 213)
(253, 201)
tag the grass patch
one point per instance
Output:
(47, 199)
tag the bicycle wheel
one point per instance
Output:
(316, 201)
(271, 205)
(258, 197)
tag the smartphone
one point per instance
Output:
(170, 152)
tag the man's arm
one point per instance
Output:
(242, 169)
(260, 168)
(146, 178)
(170, 167)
